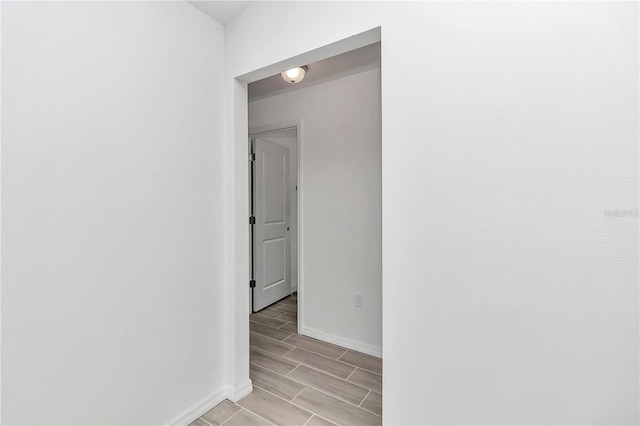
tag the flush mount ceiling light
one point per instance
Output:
(295, 75)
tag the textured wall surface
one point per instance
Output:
(509, 130)
(112, 215)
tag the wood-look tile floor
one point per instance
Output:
(301, 381)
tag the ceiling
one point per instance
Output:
(221, 11)
(354, 61)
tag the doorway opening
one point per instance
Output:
(338, 298)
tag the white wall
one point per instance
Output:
(341, 212)
(113, 226)
(509, 296)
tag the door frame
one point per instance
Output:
(255, 132)
(237, 200)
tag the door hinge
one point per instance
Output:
(252, 284)
(252, 156)
(252, 220)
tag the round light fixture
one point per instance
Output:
(295, 75)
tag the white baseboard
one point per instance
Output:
(342, 341)
(206, 404)
(201, 407)
(241, 391)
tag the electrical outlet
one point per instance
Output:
(358, 300)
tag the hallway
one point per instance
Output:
(301, 381)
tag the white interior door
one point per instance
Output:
(271, 245)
